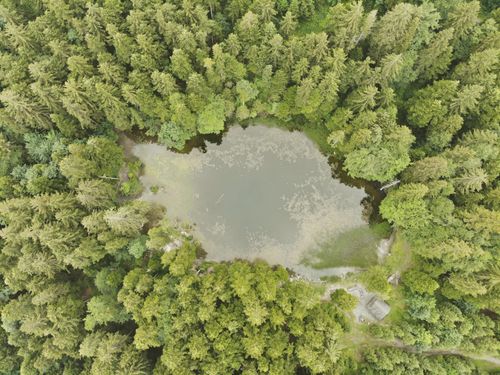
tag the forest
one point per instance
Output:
(404, 92)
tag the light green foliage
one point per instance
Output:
(104, 309)
(98, 157)
(138, 246)
(464, 17)
(350, 24)
(129, 219)
(479, 68)
(377, 148)
(471, 180)
(439, 108)
(406, 207)
(436, 56)
(160, 235)
(181, 65)
(41, 148)
(172, 135)
(246, 93)
(211, 119)
(255, 313)
(180, 262)
(6, 187)
(433, 98)
(420, 282)
(375, 279)
(344, 300)
(112, 353)
(405, 27)
(95, 193)
(10, 155)
(386, 361)
(288, 23)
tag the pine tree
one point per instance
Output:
(478, 69)
(180, 64)
(129, 219)
(391, 68)
(27, 112)
(471, 180)
(349, 24)
(113, 107)
(95, 194)
(467, 99)
(288, 23)
(435, 59)
(99, 157)
(78, 103)
(363, 98)
(405, 27)
(464, 17)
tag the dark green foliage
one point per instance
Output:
(93, 283)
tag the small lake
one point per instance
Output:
(265, 193)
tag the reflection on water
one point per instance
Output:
(262, 193)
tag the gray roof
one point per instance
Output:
(378, 308)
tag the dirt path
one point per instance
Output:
(367, 341)
(359, 340)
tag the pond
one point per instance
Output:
(266, 193)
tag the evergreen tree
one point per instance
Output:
(89, 282)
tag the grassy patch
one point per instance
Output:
(486, 366)
(397, 303)
(331, 279)
(356, 248)
(398, 261)
(273, 122)
(400, 256)
(319, 135)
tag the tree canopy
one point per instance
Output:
(403, 92)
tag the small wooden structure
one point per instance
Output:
(386, 186)
(378, 308)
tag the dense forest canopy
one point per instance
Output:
(395, 90)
